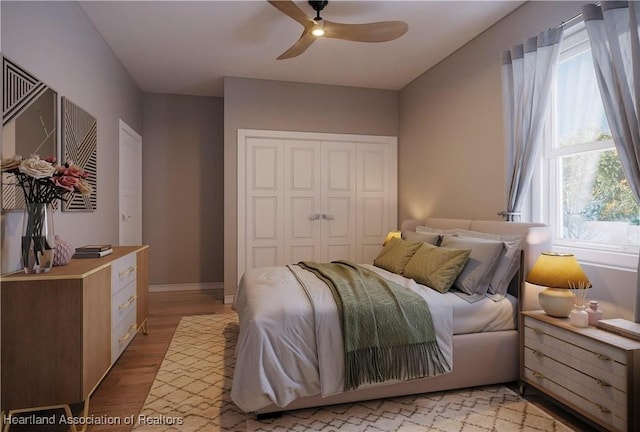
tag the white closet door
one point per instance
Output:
(264, 203)
(302, 206)
(374, 206)
(313, 196)
(338, 201)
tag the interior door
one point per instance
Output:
(338, 201)
(264, 206)
(130, 186)
(302, 201)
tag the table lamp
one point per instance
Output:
(559, 273)
(392, 234)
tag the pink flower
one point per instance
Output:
(66, 182)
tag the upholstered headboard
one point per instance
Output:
(537, 239)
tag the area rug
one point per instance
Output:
(191, 393)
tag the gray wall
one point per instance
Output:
(451, 150)
(261, 104)
(56, 42)
(183, 188)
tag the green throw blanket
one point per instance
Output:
(387, 329)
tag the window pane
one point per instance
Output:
(580, 115)
(597, 203)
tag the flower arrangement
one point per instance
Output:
(42, 182)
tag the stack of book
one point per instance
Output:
(93, 251)
(622, 327)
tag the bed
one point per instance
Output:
(288, 353)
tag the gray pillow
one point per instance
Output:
(508, 264)
(477, 273)
(430, 238)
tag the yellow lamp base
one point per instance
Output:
(556, 302)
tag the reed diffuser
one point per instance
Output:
(579, 317)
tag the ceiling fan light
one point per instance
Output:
(318, 29)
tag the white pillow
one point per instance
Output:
(509, 262)
(477, 273)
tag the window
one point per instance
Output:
(584, 193)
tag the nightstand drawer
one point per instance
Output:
(601, 413)
(593, 389)
(587, 350)
(581, 359)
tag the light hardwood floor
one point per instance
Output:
(123, 391)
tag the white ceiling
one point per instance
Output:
(187, 47)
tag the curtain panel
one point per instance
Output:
(614, 36)
(528, 71)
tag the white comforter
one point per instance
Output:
(290, 341)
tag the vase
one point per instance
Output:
(63, 253)
(38, 239)
(579, 316)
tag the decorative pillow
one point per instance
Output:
(430, 238)
(508, 264)
(477, 273)
(436, 267)
(396, 254)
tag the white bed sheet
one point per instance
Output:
(290, 343)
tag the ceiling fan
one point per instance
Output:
(318, 27)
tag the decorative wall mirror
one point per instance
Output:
(29, 119)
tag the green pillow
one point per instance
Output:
(396, 254)
(436, 267)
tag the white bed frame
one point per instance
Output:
(478, 359)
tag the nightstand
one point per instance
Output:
(591, 371)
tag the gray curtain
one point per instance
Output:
(613, 32)
(527, 75)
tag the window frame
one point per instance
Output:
(545, 196)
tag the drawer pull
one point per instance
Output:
(538, 375)
(538, 331)
(603, 357)
(604, 409)
(538, 353)
(128, 335)
(128, 302)
(602, 383)
(126, 272)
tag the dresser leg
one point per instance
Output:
(6, 417)
(145, 327)
(521, 387)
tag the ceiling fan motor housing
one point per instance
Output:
(318, 6)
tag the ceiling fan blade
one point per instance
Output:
(289, 8)
(372, 32)
(299, 47)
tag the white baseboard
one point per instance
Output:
(187, 287)
(228, 299)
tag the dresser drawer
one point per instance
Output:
(123, 302)
(123, 272)
(123, 334)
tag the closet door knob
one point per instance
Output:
(328, 216)
(314, 216)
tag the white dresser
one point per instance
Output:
(593, 372)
